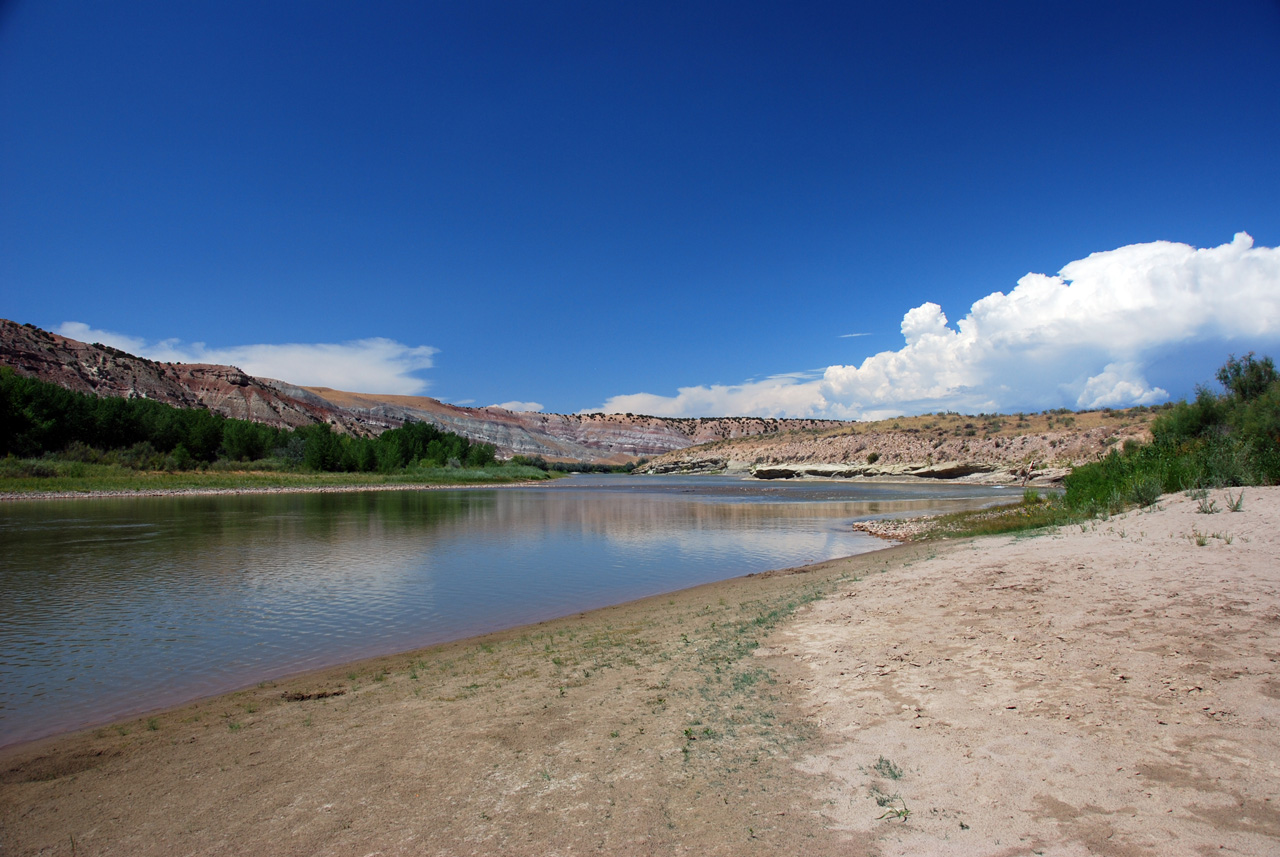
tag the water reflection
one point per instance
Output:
(110, 606)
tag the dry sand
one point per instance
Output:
(1104, 692)
(1111, 691)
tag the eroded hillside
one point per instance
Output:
(610, 438)
(1017, 448)
(104, 371)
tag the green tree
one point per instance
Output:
(1246, 378)
(481, 455)
(244, 441)
(323, 450)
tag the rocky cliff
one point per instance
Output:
(1031, 449)
(616, 438)
(105, 371)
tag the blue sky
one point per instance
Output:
(586, 205)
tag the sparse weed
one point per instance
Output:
(882, 799)
(1235, 504)
(887, 769)
(1206, 506)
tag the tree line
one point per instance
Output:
(39, 418)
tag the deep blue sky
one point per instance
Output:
(573, 201)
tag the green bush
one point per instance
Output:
(1217, 440)
(1146, 490)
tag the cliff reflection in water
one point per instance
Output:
(112, 606)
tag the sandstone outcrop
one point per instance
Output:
(1027, 449)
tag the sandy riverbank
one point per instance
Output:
(1111, 691)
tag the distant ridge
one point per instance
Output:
(610, 438)
(106, 371)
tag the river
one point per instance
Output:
(112, 607)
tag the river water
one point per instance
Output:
(111, 607)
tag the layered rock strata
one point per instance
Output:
(1037, 450)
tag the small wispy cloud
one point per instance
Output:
(375, 365)
(1084, 338)
(852, 335)
(532, 407)
(775, 396)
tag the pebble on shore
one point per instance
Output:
(898, 529)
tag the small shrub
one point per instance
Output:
(1146, 490)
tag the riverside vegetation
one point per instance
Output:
(1217, 441)
(56, 440)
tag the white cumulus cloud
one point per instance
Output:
(375, 365)
(1083, 338)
